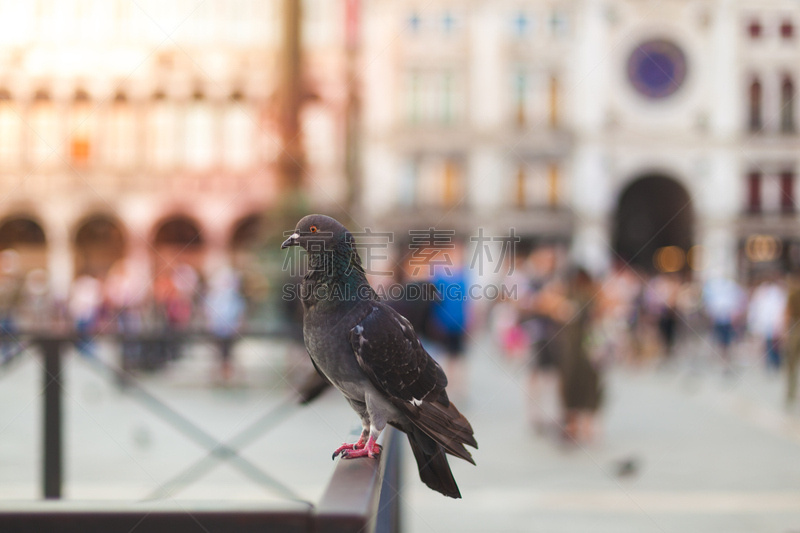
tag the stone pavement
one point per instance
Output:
(713, 453)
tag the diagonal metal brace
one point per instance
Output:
(190, 429)
(227, 451)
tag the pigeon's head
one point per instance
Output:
(323, 231)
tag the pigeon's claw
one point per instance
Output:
(344, 447)
(371, 449)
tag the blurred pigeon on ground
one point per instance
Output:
(626, 467)
(371, 354)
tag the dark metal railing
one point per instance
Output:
(361, 497)
(364, 496)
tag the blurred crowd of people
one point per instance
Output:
(149, 314)
(567, 326)
(571, 327)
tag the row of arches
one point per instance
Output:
(100, 240)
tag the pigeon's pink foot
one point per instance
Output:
(371, 449)
(346, 446)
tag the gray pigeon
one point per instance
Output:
(372, 355)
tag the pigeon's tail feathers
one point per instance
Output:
(434, 470)
(447, 426)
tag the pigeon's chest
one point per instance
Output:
(331, 351)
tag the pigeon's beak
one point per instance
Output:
(291, 241)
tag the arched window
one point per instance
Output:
(80, 146)
(453, 183)
(121, 138)
(787, 192)
(200, 145)
(536, 185)
(10, 131)
(162, 132)
(238, 134)
(553, 184)
(754, 29)
(414, 96)
(449, 104)
(520, 187)
(43, 130)
(555, 89)
(409, 182)
(754, 192)
(755, 121)
(522, 25)
(787, 29)
(787, 105)
(320, 134)
(440, 181)
(521, 97)
(559, 25)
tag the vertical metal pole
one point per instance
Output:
(291, 159)
(52, 467)
(352, 116)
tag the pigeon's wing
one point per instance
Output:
(390, 354)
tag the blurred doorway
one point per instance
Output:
(654, 212)
(99, 243)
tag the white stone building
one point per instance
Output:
(148, 129)
(132, 129)
(622, 126)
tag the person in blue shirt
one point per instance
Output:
(449, 315)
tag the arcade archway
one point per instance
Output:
(654, 212)
(246, 232)
(178, 240)
(26, 237)
(99, 243)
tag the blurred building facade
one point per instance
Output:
(621, 126)
(149, 129)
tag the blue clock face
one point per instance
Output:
(657, 68)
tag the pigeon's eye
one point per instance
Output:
(313, 229)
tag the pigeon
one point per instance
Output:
(372, 355)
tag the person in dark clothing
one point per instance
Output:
(581, 388)
(792, 346)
